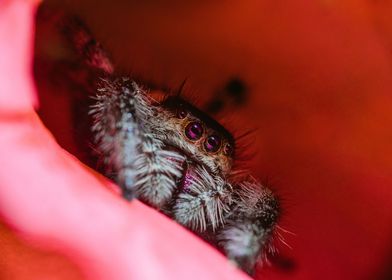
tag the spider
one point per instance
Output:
(175, 158)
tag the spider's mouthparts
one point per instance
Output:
(183, 180)
(187, 180)
(189, 169)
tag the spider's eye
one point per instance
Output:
(194, 130)
(228, 149)
(181, 113)
(212, 143)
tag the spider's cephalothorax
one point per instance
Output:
(177, 159)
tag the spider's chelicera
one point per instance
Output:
(177, 159)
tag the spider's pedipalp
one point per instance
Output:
(157, 171)
(204, 201)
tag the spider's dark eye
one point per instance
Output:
(228, 149)
(212, 143)
(181, 113)
(194, 130)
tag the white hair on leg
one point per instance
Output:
(250, 226)
(204, 202)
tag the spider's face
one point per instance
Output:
(203, 140)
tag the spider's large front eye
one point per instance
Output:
(212, 143)
(194, 131)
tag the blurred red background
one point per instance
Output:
(319, 82)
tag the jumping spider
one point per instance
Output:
(177, 159)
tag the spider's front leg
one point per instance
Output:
(250, 225)
(144, 167)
